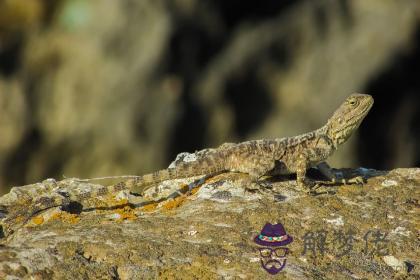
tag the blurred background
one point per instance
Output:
(101, 88)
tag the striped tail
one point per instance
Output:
(210, 164)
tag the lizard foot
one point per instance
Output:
(312, 187)
(340, 179)
(316, 185)
(359, 180)
(306, 185)
(327, 185)
(257, 186)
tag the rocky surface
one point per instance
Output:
(371, 230)
(126, 94)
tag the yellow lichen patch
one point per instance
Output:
(38, 220)
(126, 213)
(150, 207)
(19, 219)
(194, 190)
(174, 203)
(66, 217)
(114, 201)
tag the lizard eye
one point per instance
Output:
(352, 102)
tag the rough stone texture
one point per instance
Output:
(208, 234)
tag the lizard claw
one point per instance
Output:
(306, 186)
(264, 184)
(359, 180)
(339, 178)
(257, 186)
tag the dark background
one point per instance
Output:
(101, 88)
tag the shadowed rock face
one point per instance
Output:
(210, 233)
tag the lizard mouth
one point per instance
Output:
(357, 120)
(367, 107)
(368, 103)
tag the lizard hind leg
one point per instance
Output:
(256, 168)
(256, 185)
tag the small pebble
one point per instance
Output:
(114, 216)
(337, 222)
(191, 232)
(389, 183)
(394, 263)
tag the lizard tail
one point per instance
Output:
(209, 164)
(203, 166)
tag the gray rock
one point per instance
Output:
(209, 233)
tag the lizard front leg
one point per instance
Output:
(301, 166)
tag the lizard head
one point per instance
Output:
(348, 117)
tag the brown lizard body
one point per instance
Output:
(271, 157)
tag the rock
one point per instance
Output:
(186, 75)
(210, 232)
(393, 262)
(389, 183)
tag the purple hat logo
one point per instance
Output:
(273, 235)
(273, 260)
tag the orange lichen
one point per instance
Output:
(38, 220)
(126, 213)
(66, 217)
(114, 201)
(174, 203)
(210, 180)
(150, 207)
(194, 190)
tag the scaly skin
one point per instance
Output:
(272, 157)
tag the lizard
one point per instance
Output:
(257, 158)
(279, 156)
